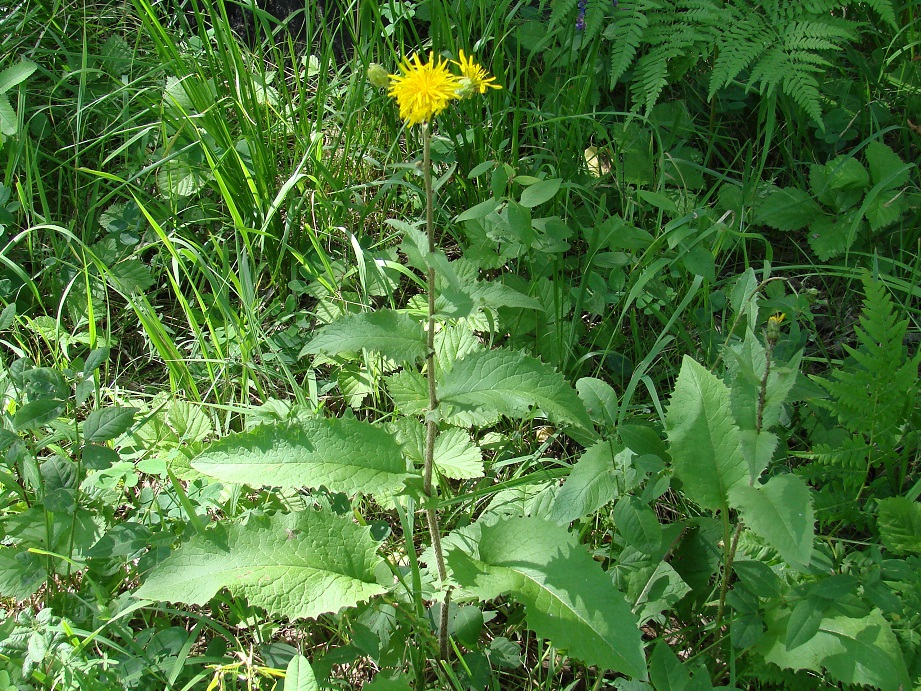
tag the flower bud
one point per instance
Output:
(378, 76)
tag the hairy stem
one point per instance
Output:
(431, 424)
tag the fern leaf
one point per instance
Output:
(873, 396)
(651, 72)
(627, 34)
(738, 47)
(595, 13)
(562, 12)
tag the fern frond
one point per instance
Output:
(651, 71)
(873, 396)
(628, 32)
(563, 11)
(595, 13)
(738, 47)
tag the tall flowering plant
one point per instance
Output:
(422, 92)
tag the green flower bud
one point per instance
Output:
(378, 76)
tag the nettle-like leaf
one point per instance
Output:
(504, 382)
(781, 512)
(860, 651)
(568, 598)
(344, 455)
(705, 442)
(393, 334)
(296, 565)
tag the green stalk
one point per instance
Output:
(431, 425)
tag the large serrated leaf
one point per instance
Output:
(344, 455)
(705, 442)
(568, 598)
(108, 423)
(295, 565)
(781, 512)
(393, 334)
(504, 382)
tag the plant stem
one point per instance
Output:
(431, 424)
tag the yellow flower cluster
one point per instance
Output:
(422, 91)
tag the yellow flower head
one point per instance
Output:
(777, 318)
(423, 91)
(474, 78)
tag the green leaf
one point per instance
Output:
(7, 316)
(781, 512)
(600, 400)
(130, 276)
(828, 237)
(108, 423)
(299, 675)
(37, 413)
(409, 391)
(660, 589)
(861, 651)
(16, 74)
(347, 456)
(788, 209)
(295, 565)
(666, 671)
(540, 192)
(21, 573)
(846, 173)
(456, 456)
(393, 334)
(900, 525)
(490, 382)
(592, 483)
(884, 162)
(804, 621)
(705, 442)
(568, 598)
(9, 123)
(638, 525)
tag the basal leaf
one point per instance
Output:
(781, 512)
(505, 382)
(344, 455)
(900, 525)
(705, 442)
(393, 334)
(295, 565)
(107, 423)
(568, 598)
